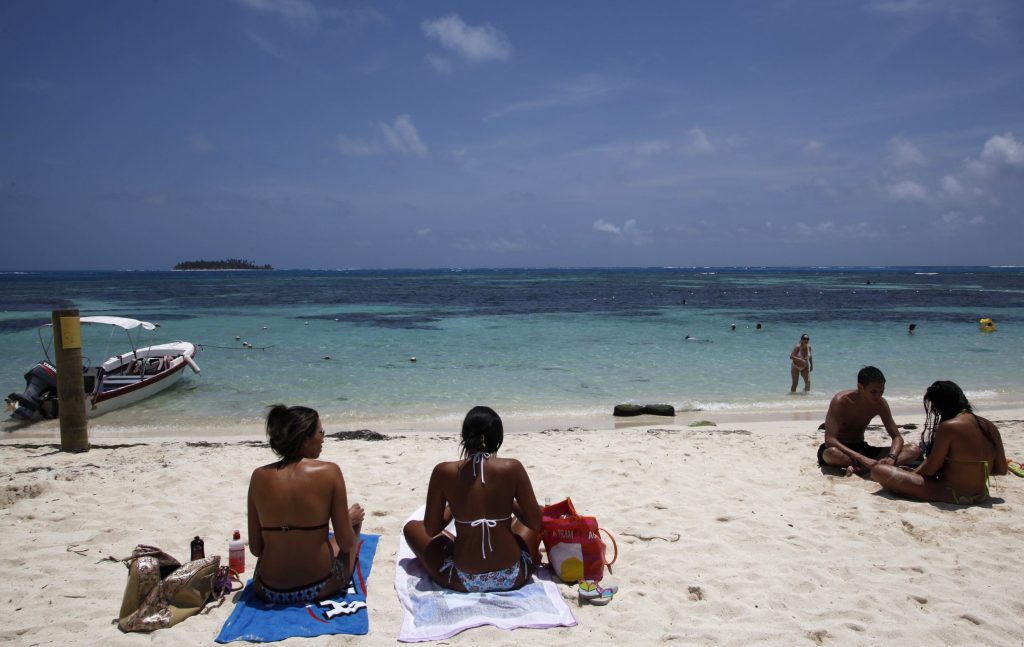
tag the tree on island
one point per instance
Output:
(229, 264)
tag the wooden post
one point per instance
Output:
(67, 345)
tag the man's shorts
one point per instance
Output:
(865, 449)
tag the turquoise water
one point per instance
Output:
(559, 345)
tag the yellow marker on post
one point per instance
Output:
(70, 332)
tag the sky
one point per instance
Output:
(136, 134)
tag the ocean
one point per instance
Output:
(562, 345)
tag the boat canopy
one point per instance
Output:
(120, 322)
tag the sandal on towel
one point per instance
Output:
(594, 593)
(1015, 467)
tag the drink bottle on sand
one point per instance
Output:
(236, 553)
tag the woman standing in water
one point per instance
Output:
(495, 510)
(802, 363)
(962, 450)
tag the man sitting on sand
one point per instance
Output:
(848, 416)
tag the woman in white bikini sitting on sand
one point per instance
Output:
(962, 450)
(291, 502)
(496, 514)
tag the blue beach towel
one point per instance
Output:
(256, 621)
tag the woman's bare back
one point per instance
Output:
(483, 506)
(297, 496)
(972, 456)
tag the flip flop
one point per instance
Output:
(1015, 467)
(594, 593)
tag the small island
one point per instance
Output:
(229, 264)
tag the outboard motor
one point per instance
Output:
(40, 385)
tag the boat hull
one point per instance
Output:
(120, 381)
(121, 395)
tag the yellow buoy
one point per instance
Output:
(986, 325)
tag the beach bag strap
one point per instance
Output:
(142, 550)
(166, 562)
(225, 581)
(615, 548)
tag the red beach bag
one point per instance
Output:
(573, 543)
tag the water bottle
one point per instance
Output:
(198, 551)
(236, 553)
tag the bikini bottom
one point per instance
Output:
(300, 594)
(500, 580)
(967, 500)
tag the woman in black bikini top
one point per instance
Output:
(291, 504)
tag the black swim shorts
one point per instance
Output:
(865, 449)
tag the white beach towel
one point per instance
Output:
(432, 612)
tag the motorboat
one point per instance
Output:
(118, 381)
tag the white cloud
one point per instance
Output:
(686, 229)
(983, 21)
(814, 146)
(357, 147)
(629, 232)
(496, 245)
(1003, 150)
(904, 6)
(400, 136)
(475, 44)
(907, 190)
(440, 64)
(423, 232)
(1001, 154)
(271, 48)
(822, 227)
(903, 153)
(863, 229)
(403, 137)
(954, 221)
(199, 143)
(699, 142)
(505, 245)
(298, 13)
(37, 86)
(952, 187)
(829, 229)
(586, 89)
(651, 147)
(348, 20)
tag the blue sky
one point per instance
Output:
(316, 134)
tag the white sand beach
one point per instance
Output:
(728, 535)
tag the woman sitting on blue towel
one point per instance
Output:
(496, 515)
(291, 502)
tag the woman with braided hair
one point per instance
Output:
(497, 519)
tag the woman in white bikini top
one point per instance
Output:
(495, 511)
